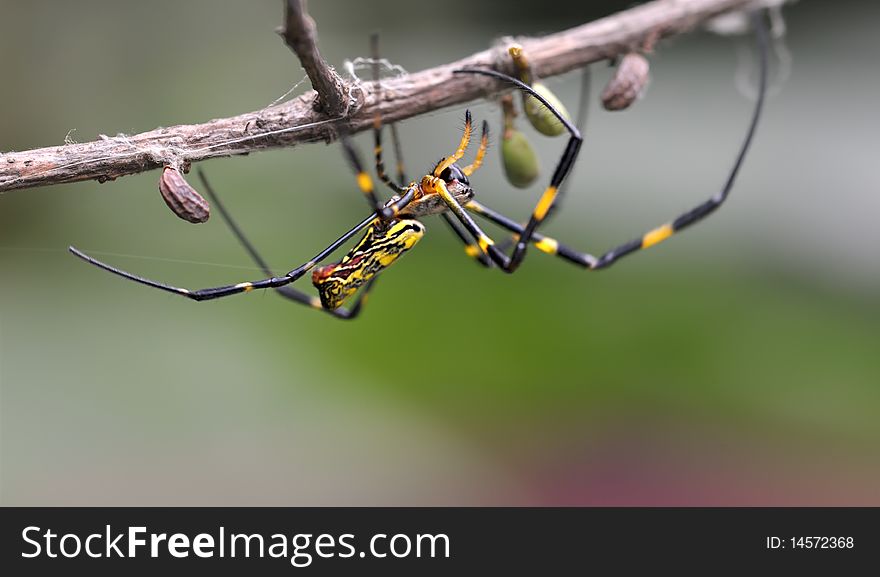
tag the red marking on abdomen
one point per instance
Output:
(321, 274)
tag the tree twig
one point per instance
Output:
(300, 35)
(297, 121)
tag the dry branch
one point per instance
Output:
(300, 35)
(298, 121)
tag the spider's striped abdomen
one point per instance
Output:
(378, 249)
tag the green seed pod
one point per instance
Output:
(539, 115)
(520, 161)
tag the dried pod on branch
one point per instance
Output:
(629, 80)
(182, 198)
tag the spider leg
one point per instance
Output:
(377, 128)
(581, 124)
(651, 238)
(398, 154)
(470, 248)
(286, 291)
(706, 208)
(548, 198)
(226, 290)
(365, 183)
(484, 243)
(542, 242)
(659, 234)
(481, 151)
(462, 145)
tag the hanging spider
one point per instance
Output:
(393, 228)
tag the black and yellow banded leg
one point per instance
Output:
(364, 182)
(484, 243)
(471, 248)
(659, 234)
(462, 144)
(398, 154)
(649, 239)
(540, 241)
(548, 198)
(380, 163)
(580, 124)
(481, 151)
(400, 185)
(286, 291)
(706, 208)
(226, 290)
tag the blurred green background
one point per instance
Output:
(736, 364)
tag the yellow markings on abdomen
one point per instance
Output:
(545, 203)
(246, 286)
(485, 242)
(657, 235)
(377, 250)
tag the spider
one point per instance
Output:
(393, 227)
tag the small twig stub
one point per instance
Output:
(300, 34)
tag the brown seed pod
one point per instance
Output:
(629, 80)
(182, 198)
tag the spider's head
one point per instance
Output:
(456, 180)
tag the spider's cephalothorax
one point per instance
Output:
(427, 201)
(391, 229)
